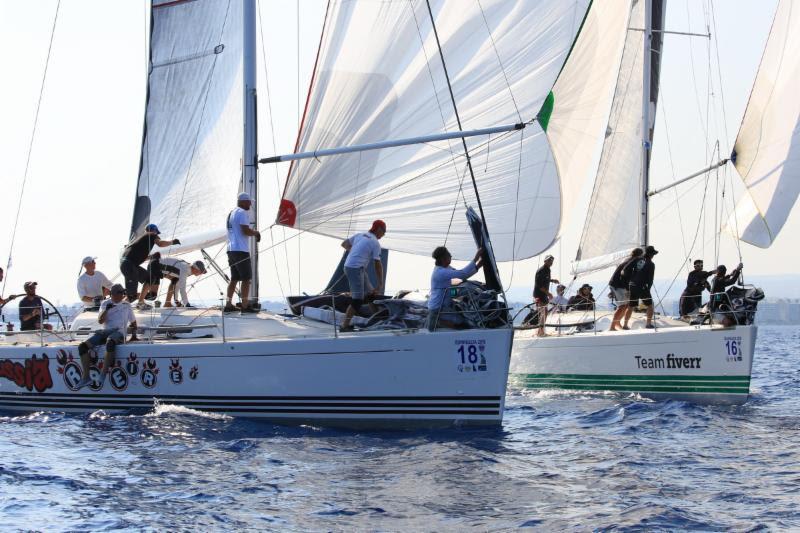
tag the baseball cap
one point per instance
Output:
(199, 265)
(548, 257)
(378, 224)
(649, 250)
(87, 259)
(30, 285)
(586, 286)
(152, 228)
(117, 289)
(244, 197)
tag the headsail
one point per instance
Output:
(379, 76)
(192, 146)
(611, 226)
(767, 149)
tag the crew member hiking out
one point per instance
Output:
(239, 233)
(362, 248)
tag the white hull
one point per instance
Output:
(691, 363)
(303, 375)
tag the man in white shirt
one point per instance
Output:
(93, 285)
(239, 231)
(559, 301)
(116, 316)
(177, 271)
(440, 301)
(362, 248)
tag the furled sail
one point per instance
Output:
(192, 147)
(767, 149)
(379, 76)
(612, 226)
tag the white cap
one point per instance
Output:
(244, 197)
(88, 259)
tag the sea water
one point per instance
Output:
(561, 460)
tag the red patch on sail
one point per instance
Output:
(287, 214)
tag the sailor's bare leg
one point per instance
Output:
(245, 294)
(542, 310)
(231, 291)
(628, 313)
(617, 317)
(650, 312)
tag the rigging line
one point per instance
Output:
(664, 115)
(200, 120)
(458, 118)
(516, 210)
(435, 92)
(694, 75)
(459, 194)
(298, 129)
(274, 147)
(499, 61)
(30, 144)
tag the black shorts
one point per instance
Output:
(132, 272)
(540, 297)
(640, 293)
(240, 266)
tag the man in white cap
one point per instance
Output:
(177, 271)
(93, 285)
(239, 231)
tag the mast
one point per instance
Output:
(646, 70)
(249, 182)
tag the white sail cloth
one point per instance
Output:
(379, 76)
(612, 225)
(192, 147)
(768, 145)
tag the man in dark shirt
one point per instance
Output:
(134, 255)
(583, 300)
(642, 272)
(541, 291)
(31, 309)
(691, 298)
(619, 288)
(719, 302)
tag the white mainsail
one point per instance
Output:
(379, 76)
(767, 149)
(612, 227)
(192, 146)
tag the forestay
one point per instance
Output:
(767, 150)
(192, 146)
(379, 76)
(612, 226)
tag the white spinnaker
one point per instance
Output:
(192, 146)
(379, 76)
(768, 145)
(612, 223)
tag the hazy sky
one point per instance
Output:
(84, 163)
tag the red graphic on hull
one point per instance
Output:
(34, 374)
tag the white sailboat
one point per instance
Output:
(199, 149)
(701, 363)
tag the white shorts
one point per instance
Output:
(622, 296)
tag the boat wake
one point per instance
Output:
(161, 409)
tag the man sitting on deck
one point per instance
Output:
(116, 316)
(440, 301)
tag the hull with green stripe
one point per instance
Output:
(698, 364)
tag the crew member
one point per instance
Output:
(177, 271)
(440, 301)
(619, 289)
(559, 301)
(239, 233)
(31, 309)
(116, 317)
(692, 296)
(642, 272)
(134, 255)
(541, 291)
(362, 248)
(583, 300)
(720, 306)
(93, 285)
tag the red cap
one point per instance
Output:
(378, 224)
